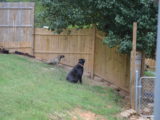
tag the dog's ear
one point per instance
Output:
(81, 61)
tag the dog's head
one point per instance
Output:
(62, 56)
(81, 61)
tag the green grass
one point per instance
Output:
(149, 73)
(31, 90)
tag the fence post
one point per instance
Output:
(93, 51)
(33, 42)
(33, 29)
(136, 90)
(143, 64)
(133, 66)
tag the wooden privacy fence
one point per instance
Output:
(17, 33)
(102, 61)
(16, 25)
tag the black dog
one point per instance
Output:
(25, 54)
(19, 53)
(76, 73)
(4, 51)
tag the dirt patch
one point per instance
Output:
(131, 114)
(76, 114)
(79, 114)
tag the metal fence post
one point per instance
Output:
(136, 91)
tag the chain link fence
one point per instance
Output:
(145, 96)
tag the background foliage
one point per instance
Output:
(114, 17)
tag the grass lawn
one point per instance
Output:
(149, 73)
(31, 90)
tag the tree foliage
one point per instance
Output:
(114, 17)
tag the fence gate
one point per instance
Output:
(145, 96)
(16, 26)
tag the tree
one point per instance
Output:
(114, 17)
